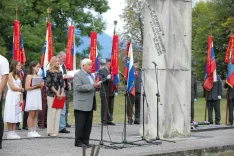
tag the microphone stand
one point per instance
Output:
(101, 142)
(157, 140)
(124, 142)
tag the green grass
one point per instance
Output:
(199, 110)
(199, 107)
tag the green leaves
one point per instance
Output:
(33, 14)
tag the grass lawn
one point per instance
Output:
(119, 110)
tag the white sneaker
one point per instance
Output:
(17, 136)
(36, 134)
(31, 135)
(10, 136)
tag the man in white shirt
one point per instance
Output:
(4, 71)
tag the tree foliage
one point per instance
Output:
(211, 18)
(33, 15)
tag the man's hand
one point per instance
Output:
(195, 100)
(97, 85)
(219, 97)
(116, 93)
(108, 76)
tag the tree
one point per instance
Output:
(33, 15)
(133, 16)
(219, 14)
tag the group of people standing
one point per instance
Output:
(21, 92)
(213, 98)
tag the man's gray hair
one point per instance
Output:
(86, 61)
(61, 53)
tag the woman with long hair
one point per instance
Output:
(55, 87)
(14, 98)
(33, 99)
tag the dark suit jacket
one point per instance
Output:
(193, 88)
(108, 83)
(230, 92)
(138, 81)
(216, 90)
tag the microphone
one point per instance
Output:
(154, 63)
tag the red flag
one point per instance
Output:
(93, 50)
(69, 54)
(16, 41)
(126, 67)
(210, 75)
(114, 61)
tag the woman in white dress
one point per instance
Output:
(33, 99)
(14, 97)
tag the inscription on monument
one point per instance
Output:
(156, 32)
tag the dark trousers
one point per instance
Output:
(68, 93)
(230, 108)
(216, 105)
(40, 117)
(192, 111)
(107, 109)
(1, 121)
(83, 126)
(131, 101)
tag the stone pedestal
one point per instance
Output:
(167, 41)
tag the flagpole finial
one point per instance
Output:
(115, 23)
(49, 12)
(211, 28)
(93, 26)
(16, 11)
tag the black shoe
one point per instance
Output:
(25, 128)
(129, 122)
(137, 122)
(78, 145)
(18, 128)
(68, 126)
(64, 131)
(217, 123)
(110, 123)
(211, 123)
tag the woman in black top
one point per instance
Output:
(55, 87)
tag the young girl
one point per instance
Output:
(14, 97)
(33, 99)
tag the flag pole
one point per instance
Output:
(44, 87)
(16, 12)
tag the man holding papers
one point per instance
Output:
(84, 103)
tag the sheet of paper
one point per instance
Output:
(18, 109)
(72, 72)
(36, 80)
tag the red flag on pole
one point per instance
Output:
(16, 41)
(114, 61)
(126, 67)
(93, 50)
(70, 49)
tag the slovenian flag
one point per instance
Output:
(71, 51)
(131, 76)
(97, 67)
(126, 67)
(48, 50)
(18, 46)
(229, 59)
(210, 74)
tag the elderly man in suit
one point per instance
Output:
(193, 95)
(213, 101)
(84, 102)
